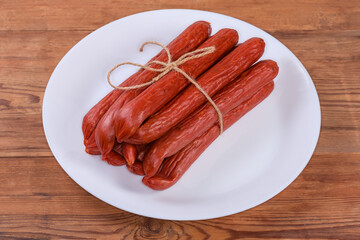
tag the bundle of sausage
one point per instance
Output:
(159, 131)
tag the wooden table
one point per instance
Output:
(38, 200)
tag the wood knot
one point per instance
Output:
(4, 104)
(152, 229)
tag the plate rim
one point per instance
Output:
(208, 216)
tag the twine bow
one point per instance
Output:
(168, 66)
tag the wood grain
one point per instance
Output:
(38, 200)
(321, 203)
(89, 15)
(27, 60)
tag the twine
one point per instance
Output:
(168, 66)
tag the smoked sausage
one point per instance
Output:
(230, 67)
(241, 89)
(187, 41)
(132, 115)
(129, 152)
(136, 168)
(174, 167)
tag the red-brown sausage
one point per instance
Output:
(135, 111)
(136, 168)
(130, 153)
(114, 158)
(93, 150)
(132, 114)
(174, 167)
(141, 149)
(202, 119)
(231, 66)
(118, 148)
(187, 41)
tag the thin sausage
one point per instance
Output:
(174, 167)
(118, 148)
(188, 40)
(231, 66)
(129, 152)
(136, 168)
(114, 158)
(202, 119)
(105, 132)
(132, 114)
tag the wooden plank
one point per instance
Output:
(28, 58)
(332, 61)
(38, 200)
(89, 15)
(36, 176)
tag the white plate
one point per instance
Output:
(250, 163)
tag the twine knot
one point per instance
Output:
(166, 67)
(172, 65)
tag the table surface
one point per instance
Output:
(38, 200)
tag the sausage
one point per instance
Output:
(132, 114)
(118, 148)
(104, 132)
(188, 40)
(136, 168)
(114, 158)
(93, 150)
(174, 167)
(129, 152)
(141, 149)
(231, 66)
(203, 118)
(246, 85)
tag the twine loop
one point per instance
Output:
(166, 67)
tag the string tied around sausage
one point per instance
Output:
(167, 67)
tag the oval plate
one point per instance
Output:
(254, 160)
